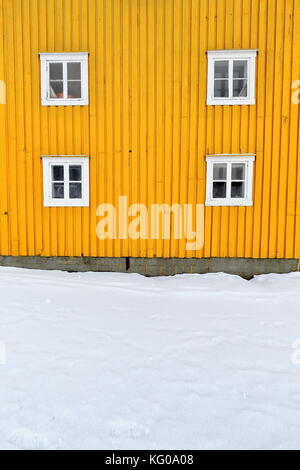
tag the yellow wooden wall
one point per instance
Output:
(147, 129)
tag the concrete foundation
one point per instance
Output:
(246, 268)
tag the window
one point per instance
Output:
(229, 180)
(66, 181)
(64, 79)
(231, 77)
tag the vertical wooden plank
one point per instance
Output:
(109, 117)
(254, 21)
(160, 105)
(37, 183)
(185, 111)
(96, 180)
(97, 49)
(293, 207)
(290, 241)
(4, 237)
(116, 54)
(151, 115)
(202, 126)
(20, 130)
(143, 84)
(243, 148)
(193, 156)
(134, 111)
(27, 118)
(260, 116)
(169, 106)
(285, 130)
(273, 133)
(125, 92)
(11, 126)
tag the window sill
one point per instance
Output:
(229, 204)
(211, 102)
(63, 103)
(66, 204)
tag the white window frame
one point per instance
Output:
(65, 161)
(248, 55)
(248, 160)
(64, 58)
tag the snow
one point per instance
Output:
(117, 361)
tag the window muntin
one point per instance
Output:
(66, 181)
(64, 79)
(228, 187)
(229, 180)
(231, 77)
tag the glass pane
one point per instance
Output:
(221, 89)
(240, 69)
(56, 71)
(74, 90)
(240, 88)
(237, 190)
(57, 173)
(222, 69)
(238, 171)
(220, 172)
(58, 191)
(74, 71)
(219, 190)
(75, 173)
(56, 90)
(75, 190)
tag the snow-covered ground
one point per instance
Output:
(114, 361)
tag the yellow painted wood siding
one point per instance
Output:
(147, 129)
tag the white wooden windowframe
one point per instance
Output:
(65, 59)
(231, 56)
(229, 160)
(66, 162)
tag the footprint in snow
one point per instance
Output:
(128, 430)
(25, 439)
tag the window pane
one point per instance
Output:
(221, 89)
(220, 172)
(74, 90)
(75, 173)
(237, 190)
(56, 71)
(240, 69)
(222, 69)
(238, 171)
(56, 90)
(75, 190)
(57, 173)
(58, 191)
(74, 71)
(219, 190)
(240, 88)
